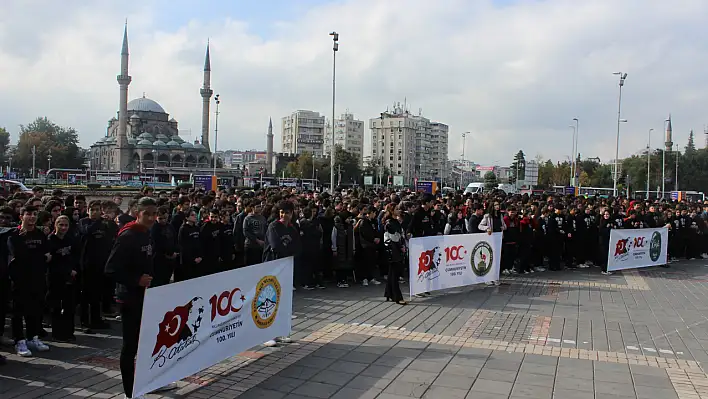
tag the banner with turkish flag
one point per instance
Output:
(442, 262)
(194, 324)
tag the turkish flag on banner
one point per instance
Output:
(172, 327)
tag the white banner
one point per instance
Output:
(634, 248)
(441, 262)
(189, 326)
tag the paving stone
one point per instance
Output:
(315, 362)
(540, 359)
(282, 384)
(421, 377)
(485, 395)
(644, 392)
(405, 388)
(499, 364)
(347, 367)
(363, 382)
(299, 372)
(489, 386)
(333, 377)
(467, 371)
(534, 368)
(350, 393)
(535, 379)
(614, 388)
(532, 391)
(497, 375)
(652, 381)
(360, 357)
(255, 393)
(454, 381)
(438, 392)
(316, 389)
(609, 376)
(392, 361)
(381, 372)
(570, 394)
(574, 384)
(426, 365)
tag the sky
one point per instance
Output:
(513, 73)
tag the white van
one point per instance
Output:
(475, 188)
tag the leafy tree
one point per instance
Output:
(47, 137)
(4, 144)
(490, 181)
(346, 168)
(520, 162)
(377, 168)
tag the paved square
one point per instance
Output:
(573, 334)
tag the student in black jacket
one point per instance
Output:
(6, 216)
(607, 224)
(190, 249)
(211, 243)
(227, 246)
(96, 242)
(165, 249)
(369, 238)
(28, 257)
(130, 265)
(63, 269)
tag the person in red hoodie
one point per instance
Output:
(526, 231)
(130, 265)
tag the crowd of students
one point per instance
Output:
(55, 248)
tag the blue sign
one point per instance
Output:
(674, 195)
(203, 182)
(570, 190)
(72, 179)
(425, 186)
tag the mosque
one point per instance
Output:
(144, 137)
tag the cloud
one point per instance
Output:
(514, 74)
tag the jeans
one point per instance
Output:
(131, 314)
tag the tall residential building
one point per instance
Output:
(303, 131)
(409, 145)
(349, 134)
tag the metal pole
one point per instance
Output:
(575, 153)
(34, 154)
(622, 76)
(463, 146)
(154, 167)
(335, 47)
(216, 131)
(572, 157)
(676, 185)
(649, 162)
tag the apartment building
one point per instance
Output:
(303, 132)
(349, 134)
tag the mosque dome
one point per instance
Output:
(134, 116)
(146, 105)
(199, 146)
(146, 136)
(162, 137)
(187, 145)
(147, 143)
(176, 138)
(159, 143)
(173, 144)
(102, 139)
(132, 141)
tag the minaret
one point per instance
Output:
(269, 147)
(669, 137)
(123, 157)
(206, 93)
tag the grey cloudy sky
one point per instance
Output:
(513, 73)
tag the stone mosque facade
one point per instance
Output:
(144, 136)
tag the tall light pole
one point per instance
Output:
(663, 164)
(335, 48)
(154, 166)
(676, 186)
(463, 145)
(572, 157)
(622, 77)
(575, 152)
(216, 131)
(649, 162)
(49, 160)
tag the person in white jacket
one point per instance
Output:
(493, 222)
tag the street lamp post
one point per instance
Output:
(335, 48)
(575, 152)
(463, 145)
(49, 162)
(676, 186)
(649, 162)
(154, 166)
(622, 77)
(663, 165)
(216, 131)
(34, 158)
(572, 158)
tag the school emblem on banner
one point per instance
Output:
(482, 258)
(655, 246)
(265, 304)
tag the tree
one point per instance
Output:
(520, 165)
(346, 168)
(691, 145)
(47, 137)
(4, 144)
(377, 168)
(490, 181)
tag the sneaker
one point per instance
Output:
(419, 296)
(6, 341)
(401, 280)
(532, 271)
(540, 269)
(320, 287)
(284, 340)
(375, 281)
(365, 283)
(270, 343)
(342, 285)
(606, 273)
(526, 272)
(704, 256)
(119, 318)
(21, 348)
(385, 278)
(37, 345)
(307, 288)
(489, 283)
(583, 266)
(496, 282)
